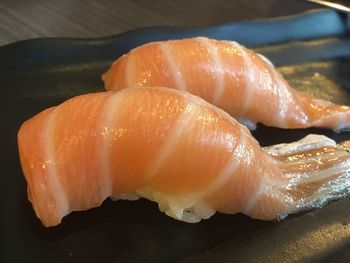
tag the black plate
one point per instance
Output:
(311, 50)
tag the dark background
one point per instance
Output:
(24, 19)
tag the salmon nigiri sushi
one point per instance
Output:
(238, 80)
(175, 149)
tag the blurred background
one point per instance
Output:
(25, 19)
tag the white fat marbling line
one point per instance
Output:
(217, 65)
(183, 124)
(251, 201)
(110, 114)
(54, 183)
(309, 142)
(249, 75)
(175, 70)
(284, 99)
(195, 207)
(284, 96)
(191, 208)
(228, 171)
(129, 70)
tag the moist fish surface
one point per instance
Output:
(236, 79)
(175, 149)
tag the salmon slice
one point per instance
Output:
(241, 82)
(173, 148)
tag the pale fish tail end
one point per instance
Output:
(324, 114)
(316, 171)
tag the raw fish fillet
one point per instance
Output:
(175, 149)
(238, 80)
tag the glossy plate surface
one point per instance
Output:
(37, 74)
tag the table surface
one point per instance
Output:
(26, 19)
